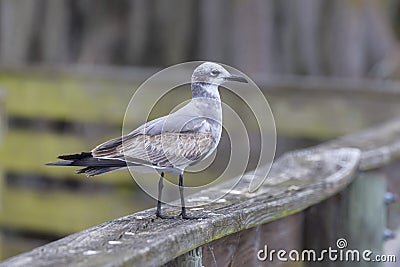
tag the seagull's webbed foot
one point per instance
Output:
(163, 216)
(182, 215)
(189, 217)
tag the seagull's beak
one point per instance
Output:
(236, 78)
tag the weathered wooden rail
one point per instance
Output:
(298, 194)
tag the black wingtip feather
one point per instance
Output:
(93, 166)
(82, 155)
(60, 163)
(94, 170)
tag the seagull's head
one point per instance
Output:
(212, 73)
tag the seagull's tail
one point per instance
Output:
(93, 166)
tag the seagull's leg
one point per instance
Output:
(158, 212)
(160, 187)
(184, 215)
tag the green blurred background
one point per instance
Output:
(69, 67)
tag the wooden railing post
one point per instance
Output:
(193, 258)
(354, 219)
(367, 212)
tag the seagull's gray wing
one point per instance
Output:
(198, 115)
(175, 140)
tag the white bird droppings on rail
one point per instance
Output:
(197, 209)
(91, 252)
(114, 242)
(129, 233)
(235, 192)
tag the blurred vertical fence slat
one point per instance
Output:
(215, 28)
(17, 29)
(138, 30)
(252, 39)
(54, 35)
(2, 130)
(102, 31)
(177, 32)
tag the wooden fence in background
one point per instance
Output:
(50, 112)
(269, 36)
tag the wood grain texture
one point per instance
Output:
(296, 181)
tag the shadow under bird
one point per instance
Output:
(169, 143)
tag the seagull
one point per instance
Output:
(166, 144)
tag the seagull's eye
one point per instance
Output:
(215, 72)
